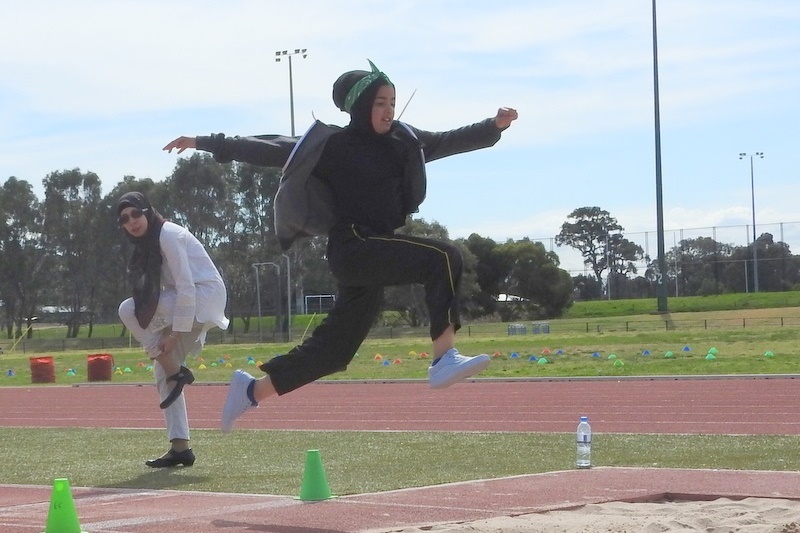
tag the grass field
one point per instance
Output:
(271, 461)
(739, 350)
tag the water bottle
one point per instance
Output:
(583, 457)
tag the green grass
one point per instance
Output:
(685, 304)
(739, 351)
(636, 311)
(271, 462)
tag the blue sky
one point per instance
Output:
(103, 85)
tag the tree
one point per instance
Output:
(534, 276)
(587, 288)
(71, 215)
(200, 198)
(253, 191)
(229, 208)
(621, 260)
(777, 268)
(598, 237)
(491, 271)
(589, 234)
(697, 264)
(22, 256)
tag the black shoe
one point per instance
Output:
(172, 458)
(183, 377)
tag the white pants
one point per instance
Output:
(175, 416)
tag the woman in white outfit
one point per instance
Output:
(178, 295)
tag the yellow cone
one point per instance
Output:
(315, 483)
(62, 516)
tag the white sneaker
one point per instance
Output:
(237, 401)
(454, 367)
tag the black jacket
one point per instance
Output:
(303, 204)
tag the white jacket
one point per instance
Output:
(191, 286)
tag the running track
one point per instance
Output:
(725, 405)
(749, 405)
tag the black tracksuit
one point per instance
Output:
(371, 180)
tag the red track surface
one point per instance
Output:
(696, 406)
(730, 406)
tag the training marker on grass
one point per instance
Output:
(315, 483)
(62, 516)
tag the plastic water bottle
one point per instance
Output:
(583, 457)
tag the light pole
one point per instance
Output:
(280, 54)
(288, 298)
(258, 291)
(753, 200)
(661, 287)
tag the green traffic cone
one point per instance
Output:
(315, 483)
(62, 516)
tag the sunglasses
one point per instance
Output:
(134, 213)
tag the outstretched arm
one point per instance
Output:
(465, 139)
(262, 150)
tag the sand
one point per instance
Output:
(750, 515)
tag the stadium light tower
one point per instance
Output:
(742, 155)
(661, 287)
(281, 54)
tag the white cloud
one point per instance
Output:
(103, 85)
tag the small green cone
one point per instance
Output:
(612, 356)
(542, 361)
(710, 356)
(769, 354)
(669, 355)
(712, 351)
(619, 362)
(62, 516)
(315, 483)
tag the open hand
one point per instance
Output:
(181, 143)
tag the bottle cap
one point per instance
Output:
(584, 419)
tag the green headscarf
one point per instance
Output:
(361, 85)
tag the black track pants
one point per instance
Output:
(363, 265)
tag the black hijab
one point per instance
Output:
(144, 266)
(361, 98)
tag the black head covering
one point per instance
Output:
(343, 84)
(359, 103)
(144, 266)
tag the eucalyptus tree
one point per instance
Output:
(588, 230)
(778, 269)
(545, 289)
(249, 234)
(71, 218)
(492, 269)
(23, 274)
(599, 239)
(698, 265)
